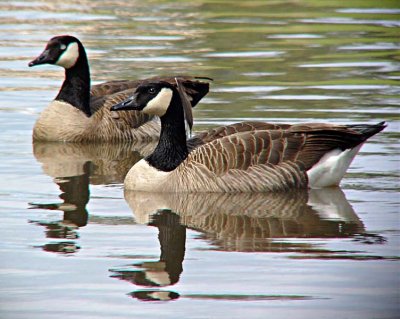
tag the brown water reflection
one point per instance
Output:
(234, 222)
(280, 222)
(73, 168)
(229, 222)
(247, 222)
(109, 163)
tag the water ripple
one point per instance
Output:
(250, 89)
(163, 59)
(348, 87)
(369, 10)
(27, 15)
(247, 54)
(371, 47)
(383, 66)
(339, 20)
(295, 36)
(305, 97)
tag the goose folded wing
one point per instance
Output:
(126, 119)
(272, 160)
(320, 139)
(205, 137)
(255, 161)
(243, 150)
(107, 88)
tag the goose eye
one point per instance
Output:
(152, 90)
(63, 46)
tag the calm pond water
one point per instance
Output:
(74, 245)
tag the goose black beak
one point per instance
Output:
(128, 104)
(43, 58)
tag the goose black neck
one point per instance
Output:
(172, 149)
(76, 87)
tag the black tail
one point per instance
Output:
(368, 130)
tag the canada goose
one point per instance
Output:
(291, 156)
(81, 113)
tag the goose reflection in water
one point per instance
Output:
(73, 167)
(248, 221)
(166, 271)
(244, 222)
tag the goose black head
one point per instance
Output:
(152, 98)
(155, 98)
(63, 51)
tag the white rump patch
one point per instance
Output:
(69, 57)
(331, 168)
(160, 103)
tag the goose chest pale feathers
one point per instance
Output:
(245, 157)
(81, 112)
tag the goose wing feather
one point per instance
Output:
(119, 124)
(111, 87)
(245, 162)
(204, 137)
(322, 138)
(264, 160)
(245, 149)
(124, 119)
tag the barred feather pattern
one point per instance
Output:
(242, 162)
(258, 160)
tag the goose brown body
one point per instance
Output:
(245, 157)
(81, 113)
(273, 159)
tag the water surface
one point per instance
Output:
(75, 245)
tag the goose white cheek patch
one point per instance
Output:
(160, 103)
(69, 57)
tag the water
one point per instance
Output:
(75, 245)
